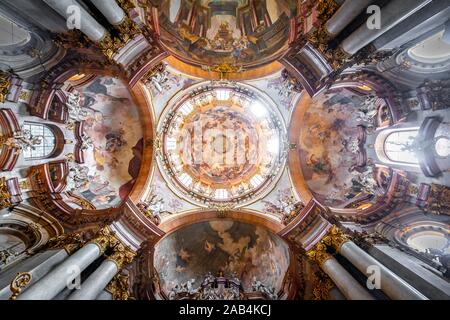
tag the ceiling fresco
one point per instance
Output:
(112, 157)
(221, 143)
(222, 246)
(165, 199)
(328, 147)
(234, 32)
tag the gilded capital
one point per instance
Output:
(105, 239)
(5, 195)
(335, 238)
(69, 242)
(318, 253)
(122, 255)
(5, 84)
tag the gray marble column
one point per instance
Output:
(391, 15)
(111, 10)
(89, 26)
(38, 265)
(96, 282)
(392, 285)
(348, 11)
(345, 282)
(99, 279)
(55, 281)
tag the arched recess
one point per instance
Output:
(391, 146)
(425, 237)
(25, 50)
(51, 141)
(392, 183)
(70, 76)
(171, 225)
(245, 237)
(9, 125)
(23, 232)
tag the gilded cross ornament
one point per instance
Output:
(21, 280)
(335, 238)
(225, 69)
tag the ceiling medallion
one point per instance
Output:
(221, 144)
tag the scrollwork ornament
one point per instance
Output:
(21, 280)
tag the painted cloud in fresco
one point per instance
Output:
(326, 138)
(115, 129)
(221, 245)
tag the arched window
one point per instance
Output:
(399, 146)
(47, 145)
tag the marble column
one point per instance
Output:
(38, 265)
(111, 10)
(348, 11)
(391, 284)
(343, 280)
(99, 279)
(55, 281)
(392, 14)
(41, 263)
(88, 25)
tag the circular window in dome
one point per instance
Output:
(222, 144)
(429, 240)
(442, 147)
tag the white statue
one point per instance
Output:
(78, 176)
(368, 110)
(86, 142)
(75, 109)
(23, 140)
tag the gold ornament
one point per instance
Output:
(224, 69)
(69, 242)
(323, 285)
(122, 256)
(5, 195)
(335, 238)
(127, 30)
(20, 281)
(5, 84)
(105, 239)
(318, 254)
(24, 185)
(118, 287)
